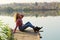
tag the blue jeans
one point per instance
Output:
(28, 24)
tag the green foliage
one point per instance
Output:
(5, 32)
(27, 10)
(36, 15)
(9, 10)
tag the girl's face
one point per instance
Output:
(20, 16)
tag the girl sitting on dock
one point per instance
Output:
(21, 26)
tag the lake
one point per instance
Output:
(51, 25)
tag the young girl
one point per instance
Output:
(19, 24)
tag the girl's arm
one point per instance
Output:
(15, 29)
(17, 24)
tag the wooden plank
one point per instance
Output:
(27, 35)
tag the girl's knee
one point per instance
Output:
(28, 22)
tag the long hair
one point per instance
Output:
(16, 16)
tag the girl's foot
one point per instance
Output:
(38, 28)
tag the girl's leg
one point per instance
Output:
(28, 24)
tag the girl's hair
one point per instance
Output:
(16, 16)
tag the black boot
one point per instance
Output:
(38, 28)
(35, 30)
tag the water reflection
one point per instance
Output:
(34, 13)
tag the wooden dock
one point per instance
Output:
(27, 35)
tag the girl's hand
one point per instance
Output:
(13, 31)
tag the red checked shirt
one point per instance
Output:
(19, 22)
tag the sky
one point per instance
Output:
(26, 1)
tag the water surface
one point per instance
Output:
(51, 25)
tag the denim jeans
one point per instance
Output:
(28, 24)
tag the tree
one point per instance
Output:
(9, 10)
(26, 9)
(36, 3)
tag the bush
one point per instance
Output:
(5, 32)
